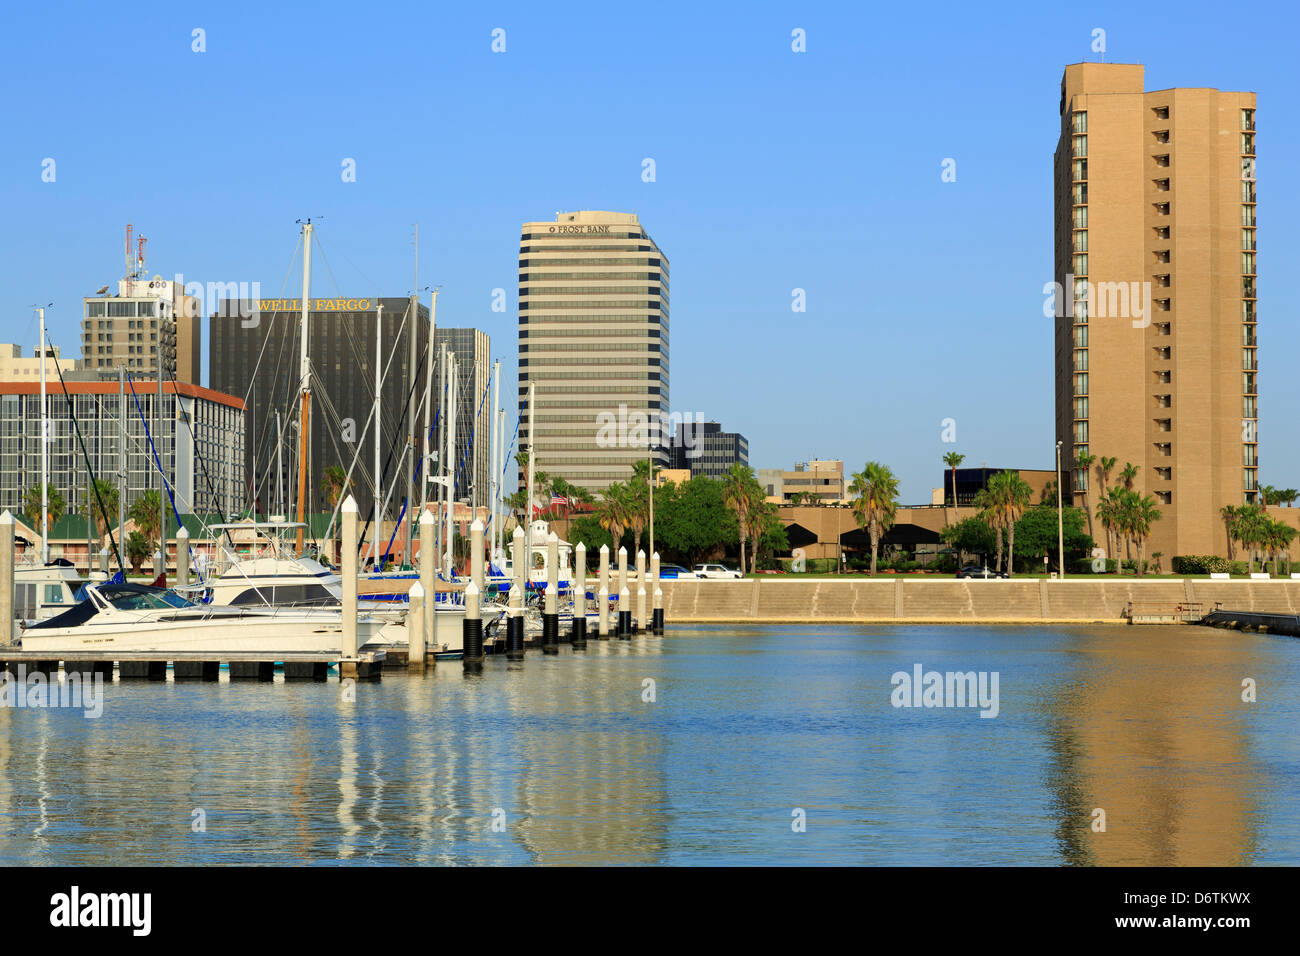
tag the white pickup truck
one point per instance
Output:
(715, 571)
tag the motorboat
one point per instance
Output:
(138, 618)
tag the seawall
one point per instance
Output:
(919, 601)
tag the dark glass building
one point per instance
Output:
(706, 449)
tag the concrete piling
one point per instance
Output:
(551, 610)
(602, 595)
(182, 558)
(624, 614)
(104, 556)
(515, 620)
(639, 622)
(657, 614)
(472, 656)
(6, 577)
(350, 665)
(578, 637)
(415, 629)
(428, 576)
(476, 553)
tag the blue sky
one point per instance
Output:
(774, 171)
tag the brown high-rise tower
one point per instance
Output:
(1155, 235)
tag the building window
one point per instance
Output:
(1166, 497)
(1081, 360)
(1081, 217)
(1162, 112)
(1162, 135)
(1081, 383)
(1081, 239)
(1080, 168)
(1079, 122)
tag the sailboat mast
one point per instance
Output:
(411, 334)
(453, 372)
(122, 490)
(45, 455)
(304, 375)
(379, 384)
(425, 471)
(279, 465)
(532, 467)
(494, 434)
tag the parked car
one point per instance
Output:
(675, 571)
(976, 571)
(715, 571)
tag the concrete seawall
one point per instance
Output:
(916, 601)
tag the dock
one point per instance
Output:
(197, 665)
(1261, 622)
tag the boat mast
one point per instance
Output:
(532, 470)
(501, 467)
(379, 384)
(452, 371)
(304, 375)
(425, 471)
(45, 455)
(411, 334)
(494, 436)
(279, 466)
(121, 455)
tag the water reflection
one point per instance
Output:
(564, 760)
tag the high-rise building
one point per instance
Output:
(593, 339)
(199, 439)
(705, 449)
(254, 350)
(1156, 353)
(147, 318)
(473, 408)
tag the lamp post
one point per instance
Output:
(1060, 515)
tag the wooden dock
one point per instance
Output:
(197, 665)
(1258, 621)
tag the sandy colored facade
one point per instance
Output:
(146, 322)
(1155, 237)
(593, 339)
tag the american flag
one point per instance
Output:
(559, 500)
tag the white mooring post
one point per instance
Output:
(6, 578)
(182, 557)
(348, 570)
(657, 613)
(428, 570)
(602, 595)
(640, 623)
(578, 634)
(476, 553)
(415, 626)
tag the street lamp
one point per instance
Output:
(1060, 515)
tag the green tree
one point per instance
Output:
(972, 536)
(137, 550)
(612, 512)
(1083, 464)
(1229, 515)
(145, 515)
(32, 505)
(875, 503)
(952, 459)
(1012, 494)
(738, 495)
(102, 490)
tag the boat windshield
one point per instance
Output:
(142, 600)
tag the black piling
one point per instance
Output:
(472, 656)
(515, 638)
(578, 637)
(657, 620)
(550, 633)
(625, 625)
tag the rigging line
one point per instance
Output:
(392, 447)
(283, 287)
(263, 440)
(470, 444)
(167, 485)
(203, 466)
(94, 484)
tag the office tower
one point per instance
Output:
(593, 339)
(705, 449)
(473, 408)
(144, 319)
(1156, 352)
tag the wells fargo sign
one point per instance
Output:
(317, 305)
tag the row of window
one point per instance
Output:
(592, 290)
(595, 304)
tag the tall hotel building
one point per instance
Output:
(1155, 232)
(593, 338)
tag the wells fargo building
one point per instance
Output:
(1156, 354)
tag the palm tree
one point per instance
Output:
(1084, 464)
(1229, 515)
(1012, 494)
(102, 490)
(736, 494)
(1283, 535)
(952, 460)
(612, 511)
(1140, 512)
(1126, 476)
(1104, 467)
(1110, 513)
(32, 505)
(145, 515)
(332, 484)
(875, 502)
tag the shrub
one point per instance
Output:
(1201, 564)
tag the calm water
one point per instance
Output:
(747, 725)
